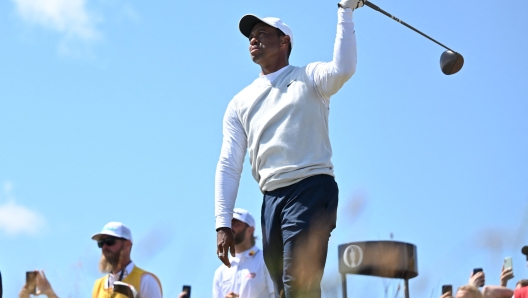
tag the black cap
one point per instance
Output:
(524, 250)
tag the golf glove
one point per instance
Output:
(353, 4)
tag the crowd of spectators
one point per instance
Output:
(477, 288)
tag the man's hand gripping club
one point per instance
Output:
(353, 4)
(225, 242)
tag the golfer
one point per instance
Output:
(282, 120)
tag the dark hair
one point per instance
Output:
(281, 34)
(523, 282)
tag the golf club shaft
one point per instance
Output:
(375, 7)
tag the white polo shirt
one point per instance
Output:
(248, 277)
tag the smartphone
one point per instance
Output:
(31, 282)
(187, 289)
(475, 271)
(508, 263)
(447, 288)
(123, 288)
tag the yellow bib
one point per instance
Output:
(133, 278)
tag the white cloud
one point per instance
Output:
(16, 219)
(69, 17)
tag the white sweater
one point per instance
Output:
(282, 118)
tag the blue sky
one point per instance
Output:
(111, 110)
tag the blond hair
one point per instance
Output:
(474, 291)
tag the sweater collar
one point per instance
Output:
(274, 75)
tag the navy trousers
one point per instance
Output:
(296, 224)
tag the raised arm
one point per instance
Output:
(329, 77)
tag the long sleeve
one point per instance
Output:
(229, 167)
(329, 77)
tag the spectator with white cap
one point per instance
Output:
(115, 241)
(248, 276)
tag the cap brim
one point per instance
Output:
(235, 217)
(97, 236)
(524, 250)
(247, 23)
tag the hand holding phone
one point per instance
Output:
(187, 290)
(31, 282)
(507, 271)
(447, 288)
(478, 278)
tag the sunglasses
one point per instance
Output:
(108, 241)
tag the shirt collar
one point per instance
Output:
(248, 253)
(110, 278)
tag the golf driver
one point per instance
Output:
(450, 61)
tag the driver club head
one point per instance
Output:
(451, 62)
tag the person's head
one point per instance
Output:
(270, 39)
(521, 283)
(115, 241)
(243, 226)
(468, 292)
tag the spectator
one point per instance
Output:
(520, 292)
(43, 287)
(498, 292)
(115, 241)
(183, 294)
(248, 276)
(521, 283)
(468, 291)
(506, 274)
(477, 280)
